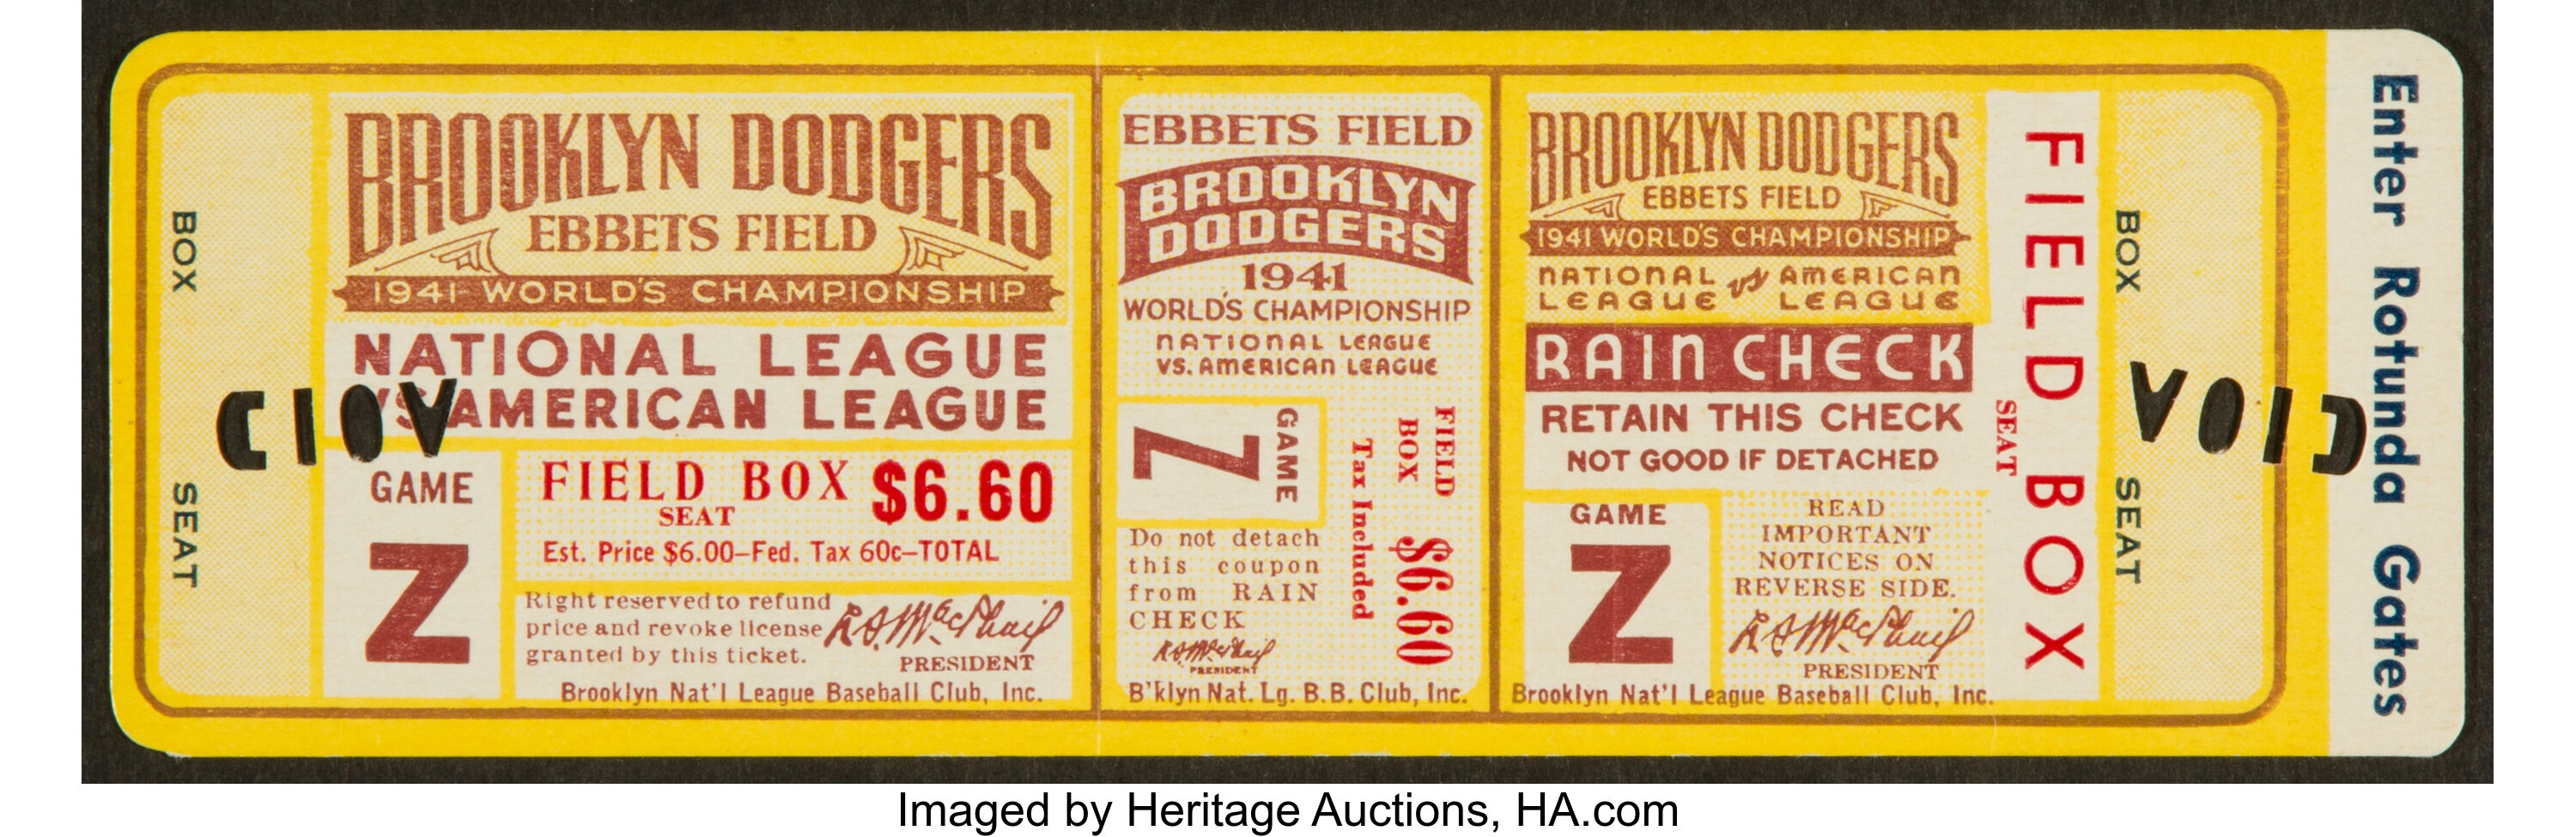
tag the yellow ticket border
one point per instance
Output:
(291, 730)
(1508, 403)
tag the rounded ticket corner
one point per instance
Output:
(156, 54)
(143, 722)
(2436, 743)
(2449, 740)
(2415, 51)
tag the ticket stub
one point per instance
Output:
(1181, 393)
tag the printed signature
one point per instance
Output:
(937, 620)
(1831, 631)
(1205, 656)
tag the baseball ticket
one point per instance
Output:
(1216, 393)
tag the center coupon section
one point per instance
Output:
(1295, 393)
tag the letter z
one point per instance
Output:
(396, 639)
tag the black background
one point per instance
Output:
(111, 29)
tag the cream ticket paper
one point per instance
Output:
(1503, 393)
